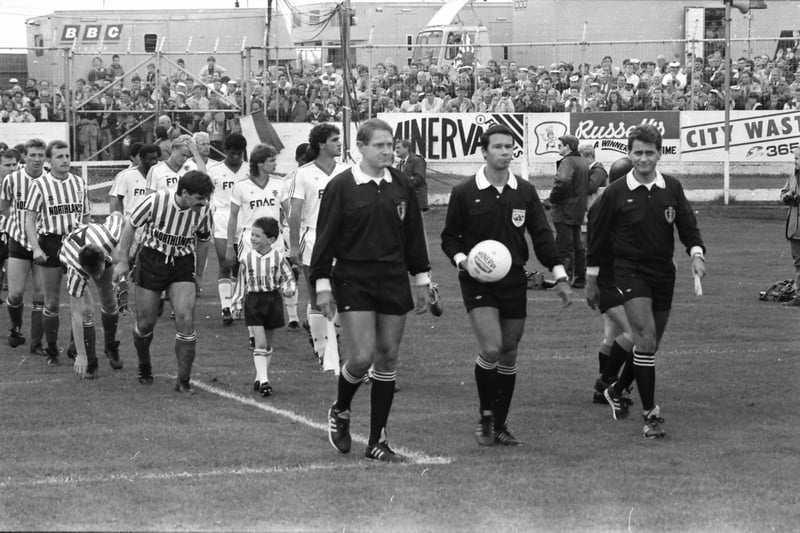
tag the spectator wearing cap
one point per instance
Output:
(568, 199)
(209, 69)
(674, 78)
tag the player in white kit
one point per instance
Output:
(310, 181)
(225, 175)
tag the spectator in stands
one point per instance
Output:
(98, 72)
(115, 70)
(211, 68)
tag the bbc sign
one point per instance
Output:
(91, 33)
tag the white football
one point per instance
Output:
(489, 261)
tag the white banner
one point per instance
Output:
(754, 135)
(20, 132)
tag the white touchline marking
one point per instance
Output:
(68, 479)
(416, 457)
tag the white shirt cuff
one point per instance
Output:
(323, 284)
(593, 271)
(458, 258)
(423, 278)
(560, 272)
(696, 250)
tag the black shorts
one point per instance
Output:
(639, 280)
(264, 309)
(50, 243)
(17, 251)
(610, 296)
(380, 287)
(509, 295)
(3, 248)
(156, 272)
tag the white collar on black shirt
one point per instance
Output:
(634, 184)
(362, 178)
(483, 182)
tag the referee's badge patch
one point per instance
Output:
(401, 210)
(669, 214)
(518, 217)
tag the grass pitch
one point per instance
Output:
(114, 455)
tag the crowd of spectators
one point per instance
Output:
(111, 105)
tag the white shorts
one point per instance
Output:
(307, 240)
(221, 217)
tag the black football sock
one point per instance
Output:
(506, 379)
(15, 313)
(644, 368)
(142, 344)
(616, 358)
(110, 323)
(381, 398)
(348, 385)
(37, 328)
(486, 381)
(50, 325)
(627, 377)
(185, 349)
(602, 359)
(89, 342)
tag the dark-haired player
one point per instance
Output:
(87, 254)
(57, 203)
(130, 185)
(635, 230)
(171, 223)
(310, 180)
(376, 246)
(496, 205)
(267, 277)
(9, 162)
(224, 176)
(14, 192)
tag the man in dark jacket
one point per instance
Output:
(415, 168)
(568, 201)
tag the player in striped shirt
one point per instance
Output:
(267, 275)
(261, 195)
(13, 194)
(57, 203)
(9, 160)
(172, 223)
(224, 176)
(310, 181)
(86, 253)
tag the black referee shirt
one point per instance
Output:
(369, 223)
(474, 215)
(639, 225)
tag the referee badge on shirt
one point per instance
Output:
(518, 217)
(401, 210)
(669, 214)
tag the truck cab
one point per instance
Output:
(448, 39)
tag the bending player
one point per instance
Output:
(86, 253)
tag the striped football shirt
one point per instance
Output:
(105, 236)
(167, 228)
(15, 191)
(60, 204)
(267, 272)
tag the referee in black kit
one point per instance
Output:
(371, 224)
(496, 205)
(634, 228)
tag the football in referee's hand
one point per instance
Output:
(619, 168)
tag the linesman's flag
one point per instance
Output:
(257, 129)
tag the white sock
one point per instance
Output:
(251, 331)
(224, 288)
(261, 362)
(319, 331)
(308, 314)
(291, 307)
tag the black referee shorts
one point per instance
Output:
(50, 243)
(639, 280)
(155, 271)
(372, 286)
(264, 309)
(17, 251)
(509, 295)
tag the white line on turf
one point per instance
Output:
(415, 457)
(68, 479)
